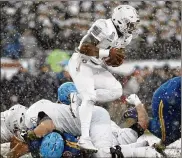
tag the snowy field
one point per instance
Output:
(173, 150)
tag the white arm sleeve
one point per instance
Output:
(103, 53)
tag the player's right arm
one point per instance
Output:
(88, 44)
(45, 126)
(143, 119)
(96, 34)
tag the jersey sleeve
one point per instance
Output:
(98, 29)
(34, 111)
(42, 116)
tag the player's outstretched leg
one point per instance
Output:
(84, 83)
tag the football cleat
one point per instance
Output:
(116, 152)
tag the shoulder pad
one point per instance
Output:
(99, 29)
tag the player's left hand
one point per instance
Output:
(14, 141)
(18, 148)
(133, 99)
(116, 57)
(24, 143)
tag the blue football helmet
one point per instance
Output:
(64, 92)
(52, 146)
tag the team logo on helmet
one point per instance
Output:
(33, 120)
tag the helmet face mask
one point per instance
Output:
(131, 27)
(125, 18)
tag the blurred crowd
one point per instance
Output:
(144, 82)
(26, 89)
(28, 28)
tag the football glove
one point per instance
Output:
(116, 57)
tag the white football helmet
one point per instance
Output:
(125, 18)
(15, 120)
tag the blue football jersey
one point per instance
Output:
(166, 110)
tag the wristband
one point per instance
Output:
(103, 53)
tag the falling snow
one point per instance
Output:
(31, 31)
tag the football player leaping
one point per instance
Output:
(102, 47)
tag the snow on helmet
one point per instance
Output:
(125, 18)
(64, 92)
(52, 145)
(16, 117)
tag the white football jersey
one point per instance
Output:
(105, 32)
(59, 113)
(6, 135)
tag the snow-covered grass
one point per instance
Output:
(173, 150)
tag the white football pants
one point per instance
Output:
(100, 132)
(94, 83)
(123, 136)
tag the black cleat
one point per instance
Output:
(116, 152)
